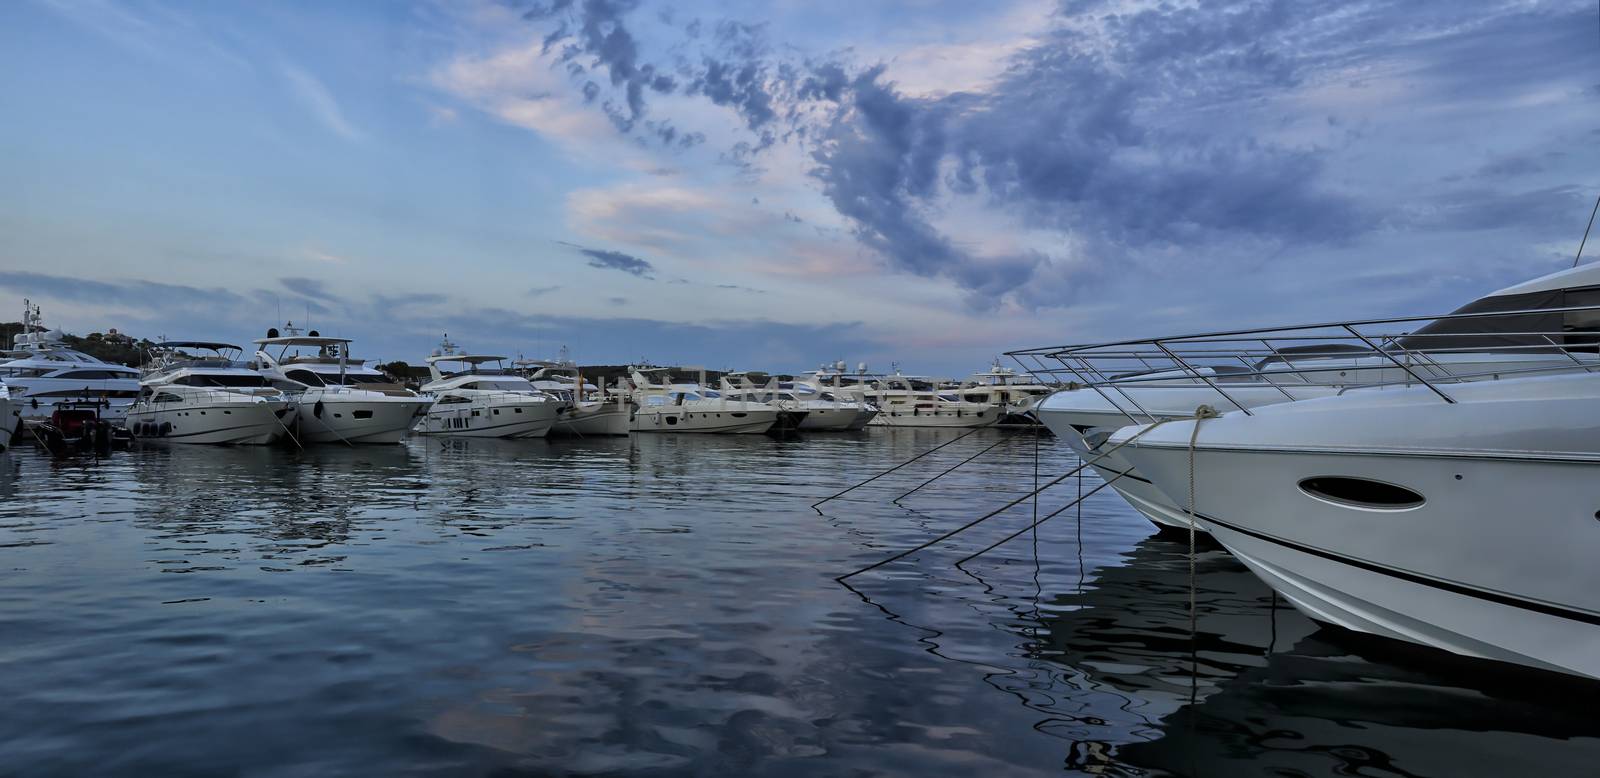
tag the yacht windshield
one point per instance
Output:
(354, 379)
(502, 385)
(225, 380)
(1533, 332)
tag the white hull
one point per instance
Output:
(610, 419)
(1068, 411)
(821, 418)
(224, 424)
(348, 420)
(894, 417)
(1497, 561)
(661, 419)
(10, 421)
(494, 420)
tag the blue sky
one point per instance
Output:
(769, 186)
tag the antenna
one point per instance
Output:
(1586, 232)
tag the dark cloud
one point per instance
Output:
(1553, 210)
(310, 287)
(615, 260)
(391, 302)
(1140, 139)
(596, 28)
(121, 293)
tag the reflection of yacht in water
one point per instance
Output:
(1120, 650)
(1323, 706)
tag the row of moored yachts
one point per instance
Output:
(1435, 480)
(304, 387)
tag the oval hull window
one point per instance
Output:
(1361, 493)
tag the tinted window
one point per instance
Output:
(305, 377)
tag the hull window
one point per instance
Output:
(1361, 493)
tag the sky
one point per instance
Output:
(770, 186)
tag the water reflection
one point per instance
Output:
(666, 605)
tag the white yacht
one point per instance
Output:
(1015, 394)
(1459, 515)
(690, 407)
(1515, 331)
(914, 401)
(586, 409)
(41, 370)
(483, 402)
(10, 418)
(199, 392)
(343, 400)
(818, 410)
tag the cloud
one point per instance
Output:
(540, 291)
(615, 260)
(322, 256)
(86, 290)
(310, 287)
(1111, 134)
(316, 99)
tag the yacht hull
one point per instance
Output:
(325, 419)
(1119, 473)
(499, 420)
(609, 420)
(1071, 414)
(234, 424)
(826, 419)
(1488, 551)
(10, 422)
(940, 418)
(753, 422)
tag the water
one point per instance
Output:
(666, 605)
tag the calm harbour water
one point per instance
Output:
(666, 605)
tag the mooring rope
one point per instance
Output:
(975, 522)
(892, 469)
(1009, 436)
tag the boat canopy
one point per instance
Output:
(471, 359)
(302, 340)
(209, 345)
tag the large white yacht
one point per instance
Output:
(1015, 394)
(41, 370)
(483, 402)
(914, 401)
(586, 409)
(818, 410)
(343, 401)
(1514, 331)
(200, 392)
(10, 418)
(1455, 514)
(690, 407)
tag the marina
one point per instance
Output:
(915, 388)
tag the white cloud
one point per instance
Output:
(517, 86)
(316, 98)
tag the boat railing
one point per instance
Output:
(189, 394)
(1344, 355)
